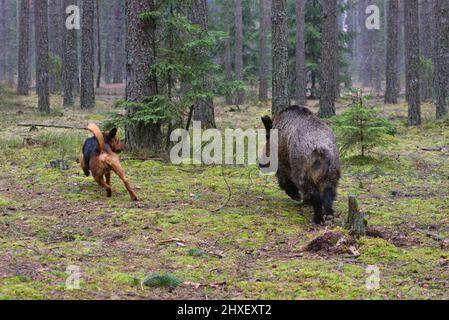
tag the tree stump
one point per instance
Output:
(356, 218)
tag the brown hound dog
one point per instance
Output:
(100, 158)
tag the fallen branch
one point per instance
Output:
(59, 126)
(432, 149)
(171, 240)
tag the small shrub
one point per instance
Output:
(161, 280)
(362, 128)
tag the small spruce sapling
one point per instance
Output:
(361, 128)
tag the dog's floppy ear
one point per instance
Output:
(113, 133)
(268, 123)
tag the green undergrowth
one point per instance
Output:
(251, 246)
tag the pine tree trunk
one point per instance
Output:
(87, 56)
(301, 84)
(69, 59)
(239, 49)
(41, 21)
(280, 100)
(3, 38)
(55, 42)
(23, 83)
(411, 17)
(441, 56)
(204, 107)
(329, 59)
(141, 55)
(263, 40)
(108, 65)
(426, 20)
(118, 63)
(227, 48)
(392, 61)
(99, 62)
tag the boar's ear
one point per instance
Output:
(113, 133)
(268, 123)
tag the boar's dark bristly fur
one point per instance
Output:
(309, 161)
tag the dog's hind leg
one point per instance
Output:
(108, 182)
(117, 168)
(102, 183)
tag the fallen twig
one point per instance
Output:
(60, 126)
(229, 191)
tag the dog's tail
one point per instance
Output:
(92, 127)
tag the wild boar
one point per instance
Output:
(308, 157)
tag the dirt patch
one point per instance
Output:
(398, 239)
(333, 243)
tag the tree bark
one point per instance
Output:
(329, 59)
(87, 56)
(3, 39)
(441, 56)
(108, 64)
(356, 218)
(301, 84)
(239, 49)
(392, 61)
(99, 62)
(426, 20)
(227, 49)
(55, 42)
(411, 17)
(69, 59)
(41, 21)
(263, 40)
(141, 55)
(280, 100)
(204, 107)
(118, 60)
(23, 83)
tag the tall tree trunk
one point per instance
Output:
(239, 49)
(99, 64)
(301, 84)
(329, 60)
(441, 56)
(204, 107)
(263, 39)
(87, 56)
(379, 50)
(41, 21)
(141, 55)
(280, 100)
(108, 65)
(55, 43)
(69, 59)
(3, 38)
(411, 17)
(118, 61)
(227, 48)
(392, 61)
(425, 33)
(366, 52)
(23, 83)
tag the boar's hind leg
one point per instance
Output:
(288, 186)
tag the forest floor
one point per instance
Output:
(253, 248)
